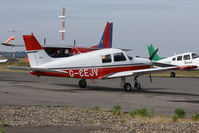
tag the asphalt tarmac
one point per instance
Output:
(163, 95)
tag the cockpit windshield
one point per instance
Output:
(194, 55)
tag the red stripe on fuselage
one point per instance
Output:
(90, 73)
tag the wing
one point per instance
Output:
(140, 72)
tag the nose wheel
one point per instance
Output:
(82, 83)
(126, 86)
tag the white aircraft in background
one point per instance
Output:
(99, 64)
(189, 61)
(3, 60)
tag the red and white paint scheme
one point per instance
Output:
(99, 64)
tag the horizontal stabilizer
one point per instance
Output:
(18, 68)
(13, 45)
(34, 69)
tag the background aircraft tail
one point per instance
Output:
(36, 54)
(106, 39)
(151, 50)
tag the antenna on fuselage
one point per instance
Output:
(44, 41)
(74, 42)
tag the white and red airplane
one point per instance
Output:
(99, 64)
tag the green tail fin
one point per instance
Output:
(151, 50)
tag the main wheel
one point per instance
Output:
(137, 85)
(127, 87)
(172, 74)
(82, 83)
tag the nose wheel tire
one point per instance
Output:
(137, 85)
(127, 87)
(82, 83)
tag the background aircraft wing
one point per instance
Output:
(160, 64)
(186, 67)
(140, 72)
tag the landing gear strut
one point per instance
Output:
(125, 85)
(82, 83)
(137, 84)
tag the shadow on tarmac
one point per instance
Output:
(156, 91)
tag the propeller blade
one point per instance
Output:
(151, 57)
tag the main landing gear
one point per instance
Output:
(172, 74)
(137, 84)
(127, 86)
(82, 83)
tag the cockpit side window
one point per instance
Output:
(187, 57)
(130, 58)
(179, 58)
(106, 58)
(194, 56)
(174, 59)
(119, 57)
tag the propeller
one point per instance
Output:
(151, 57)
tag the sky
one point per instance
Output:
(170, 25)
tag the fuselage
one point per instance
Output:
(94, 65)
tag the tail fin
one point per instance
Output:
(151, 50)
(36, 54)
(106, 40)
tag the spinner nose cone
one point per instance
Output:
(149, 62)
(144, 61)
